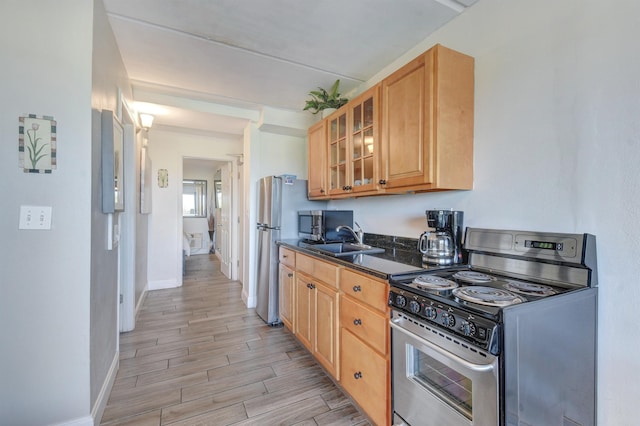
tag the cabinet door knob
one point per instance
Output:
(357, 288)
(322, 191)
(357, 321)
(290, 275)
(308, 285)
(357, 375)
(382, 182)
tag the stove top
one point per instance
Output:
(474, 290)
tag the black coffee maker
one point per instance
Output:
(444, 245)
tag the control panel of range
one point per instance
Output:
(480, 331)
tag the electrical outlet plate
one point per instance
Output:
(35, 217)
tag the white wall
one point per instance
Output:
(557, 132)
(44, 294)
(265, 154)
(167, 149)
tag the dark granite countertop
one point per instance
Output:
(400, 256)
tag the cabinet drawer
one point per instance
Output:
(365, 289)
(318, 269)
(368, 325)
(287, 257)
(365, 376)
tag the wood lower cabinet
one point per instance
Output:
(365, 353)
(316, 307)
(427, 123)
(365, 376)
(341, 316)
(286, 288)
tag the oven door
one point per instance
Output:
(440, 380)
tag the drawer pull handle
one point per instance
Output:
(357, 375)
(357, 288)
(357, 321)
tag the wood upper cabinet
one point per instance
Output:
(427, 123)
(317, 143)
(352, 146)
(364, 141)
(338, 150)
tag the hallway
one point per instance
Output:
(198, 356)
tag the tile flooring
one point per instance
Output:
(198, 356)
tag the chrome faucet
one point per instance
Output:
(357, 235)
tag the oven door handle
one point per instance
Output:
(471, 366)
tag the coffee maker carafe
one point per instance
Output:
(443, 246)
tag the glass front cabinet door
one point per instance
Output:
(353, 145)
(338, 152)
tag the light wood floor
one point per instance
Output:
(198, 356)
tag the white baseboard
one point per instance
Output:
(251, 302)
(103, 396)
(162, 284)
(141, 301)
(82, 421)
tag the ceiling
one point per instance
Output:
(213, 65)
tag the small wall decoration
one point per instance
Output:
(112, 163)
(37, 143)
(163, 178)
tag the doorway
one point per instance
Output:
(209, 230)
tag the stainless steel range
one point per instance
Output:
(508, 339)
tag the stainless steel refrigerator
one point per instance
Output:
(279, 200)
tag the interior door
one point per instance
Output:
(224, 224)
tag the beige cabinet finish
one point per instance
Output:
(412, 132)
(304, 310)
(341, 316)
(365, 376)
(367, 324)
(364, 289)
(364, 343)
(286, 288)
(317, 143)
(353, 144)
(427, 123)
(316, 307)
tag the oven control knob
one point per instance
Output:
(468, 328)
(448, 320)
(414, 306)
(401, 301)
(431, 312)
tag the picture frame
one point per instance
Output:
(37, 143)
(112, 163)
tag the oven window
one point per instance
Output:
(445, 382)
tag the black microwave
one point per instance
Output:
(320, 225)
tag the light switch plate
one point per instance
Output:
(35, 217)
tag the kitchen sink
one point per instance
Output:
(344, 249)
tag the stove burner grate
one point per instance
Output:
(487, 296)
(432, 282)
(529, 289)
(473, 277)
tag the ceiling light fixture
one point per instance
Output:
(146, 120)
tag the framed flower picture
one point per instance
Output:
(37, 143)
